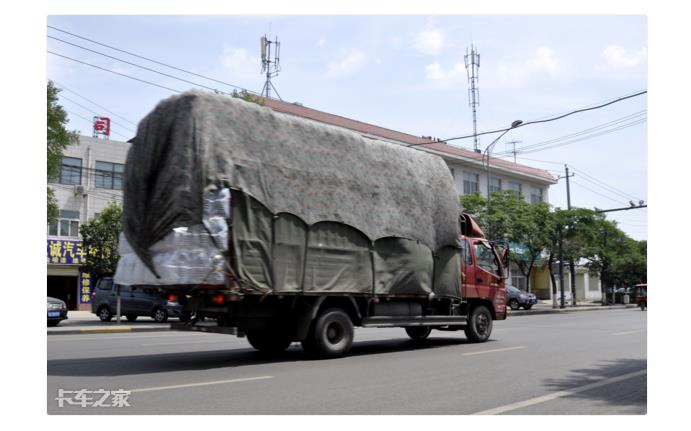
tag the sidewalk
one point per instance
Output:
(545, 307)
(85, 322)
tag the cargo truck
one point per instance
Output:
(284, 229)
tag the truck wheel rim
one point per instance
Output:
(481, 324)
(334, 333)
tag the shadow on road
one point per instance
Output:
(210, 359)
(630, 392)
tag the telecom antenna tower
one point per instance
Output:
(472, 66)
(270, 64)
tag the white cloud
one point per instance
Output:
(321, 42)
(445, 78)
(429, 42)
(350, 62)
(240, 64)
(543, 63)
(620, 57)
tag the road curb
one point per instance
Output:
(78, 331)
(569, 310)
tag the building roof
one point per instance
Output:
(424, 143)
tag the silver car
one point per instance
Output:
(57, 311)
(516, 298)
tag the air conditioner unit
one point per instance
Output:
(79, 190)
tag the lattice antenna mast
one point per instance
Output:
(472, 66)
(271, 64)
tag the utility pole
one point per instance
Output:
(572, 265)
(472, 66)
(561, 269)
(513, 150)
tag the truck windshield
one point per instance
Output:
(486, 259)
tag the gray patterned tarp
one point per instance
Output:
(318, 172)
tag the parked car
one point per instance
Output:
(135, 301)
(57, 311)
(516, 298)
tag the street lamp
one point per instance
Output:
(487, 153)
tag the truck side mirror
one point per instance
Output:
(505, 257)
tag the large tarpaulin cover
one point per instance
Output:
(301, 173)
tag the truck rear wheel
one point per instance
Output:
(418, 333)
(332, 336)
(269, 341)
(479, 325)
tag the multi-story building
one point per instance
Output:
(92, 176)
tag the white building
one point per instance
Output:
(90, 178)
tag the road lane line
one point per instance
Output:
(495, 350)
(628, 332)
(560, 394)
(192, 385)
(133, 336)
(180, 343)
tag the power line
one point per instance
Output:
(597, 193)
(94, 112)
(549, 119)
(604, 185)
(149, 59)
(139, 66)
(582, 132)
(584, 138)
(116, 73)
(62, 87)
(90, 120)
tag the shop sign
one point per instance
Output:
(85, 288)
(66, 252)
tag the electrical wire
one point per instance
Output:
(597, 193)
(619, 99)
(140, 66)
(95, 113)
(614, 189)
(114, 72)
(90, 120)
(151, 60)
(62, 87)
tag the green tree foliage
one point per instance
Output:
(248, 97)
(100, 241)
(58, 138)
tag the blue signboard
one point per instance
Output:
(85, 288)
(65, 252)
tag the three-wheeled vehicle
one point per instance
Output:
(642, 296)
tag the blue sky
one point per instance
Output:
(405, 73)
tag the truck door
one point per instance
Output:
(487, 270)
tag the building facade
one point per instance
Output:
(91, 177)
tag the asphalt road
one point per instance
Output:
(578, 363)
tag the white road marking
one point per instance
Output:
(495, 350)
(178, 343)
(192, 385)
(560, 394)
(628, 332)
(133, 336)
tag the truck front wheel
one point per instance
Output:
(333, 334)
(479, 325)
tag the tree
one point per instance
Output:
(58, 138)
(100, 241)
(248, 97)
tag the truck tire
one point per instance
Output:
(418, 333)
(269, 341)
(333, 334)
(479, 325)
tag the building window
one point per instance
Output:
(70, 171)
(516, 187)
(495, 185)
(109, 175)
(519, 281)
(535, 195)
(470, 183)
(66, 225)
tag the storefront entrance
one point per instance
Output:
(65, 288)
